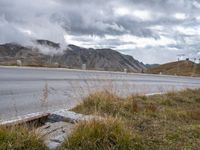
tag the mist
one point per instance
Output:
(152, 31)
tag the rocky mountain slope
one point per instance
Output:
(71, 57)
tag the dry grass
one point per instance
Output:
(184, 68)
(20, 138)
(169, 121)
(107, 134)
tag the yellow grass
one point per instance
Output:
(183, 68)
(168, 121)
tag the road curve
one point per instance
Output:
(27, 90)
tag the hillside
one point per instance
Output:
(71, 57)
(148, 66)
(183, 68)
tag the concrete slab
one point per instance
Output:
(24, 118)
(55, 133)
(69, 116)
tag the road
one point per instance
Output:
(28, 90)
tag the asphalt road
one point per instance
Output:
(29, 90)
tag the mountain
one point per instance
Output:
(11, 52)
(48, 43)
(183, 68)
(71, 57)
(151, 65)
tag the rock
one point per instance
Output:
(69, 116)
(54, 134)
(59, 126)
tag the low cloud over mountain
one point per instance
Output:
(153, 31)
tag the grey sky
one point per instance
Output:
(152, 31)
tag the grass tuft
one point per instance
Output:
(20, 138)
(105, 134)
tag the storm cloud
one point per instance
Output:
(153, 31)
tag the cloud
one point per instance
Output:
(154, 31)
(9, 32)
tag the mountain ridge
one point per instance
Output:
(71, 57)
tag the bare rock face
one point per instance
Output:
(48, 43)
(72, 57)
